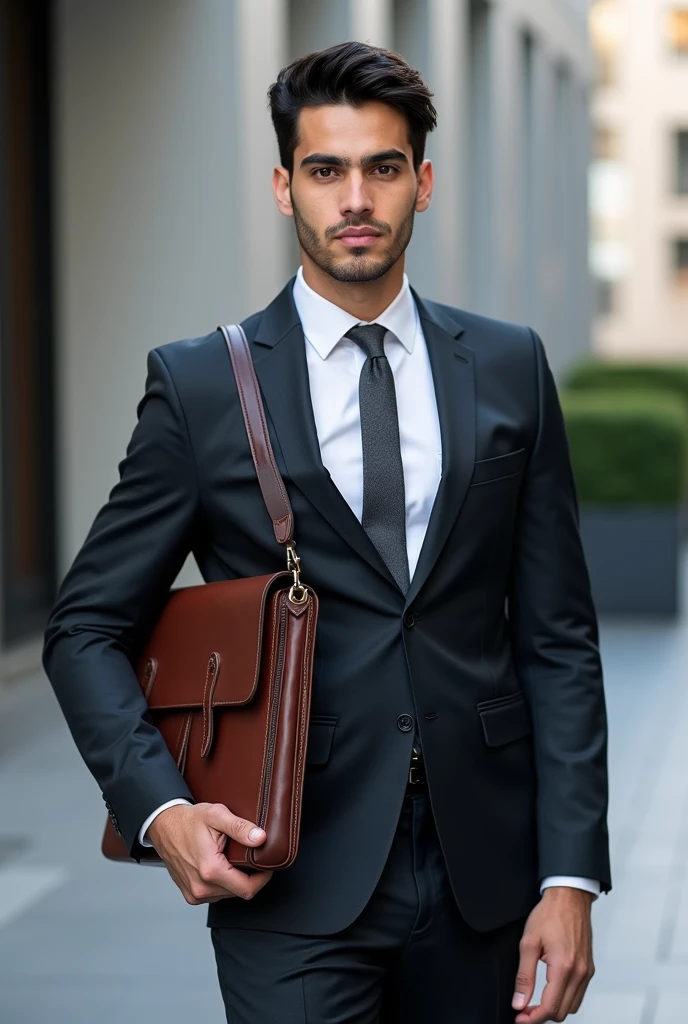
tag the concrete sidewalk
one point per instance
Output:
(86, 942)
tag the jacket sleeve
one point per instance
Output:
(556, 650)
(109, 601)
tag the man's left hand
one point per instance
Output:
(558, 932)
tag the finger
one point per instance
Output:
(245, 832)
(582, 988)
(206, 888)
(552, 995)
(567, 999)
(236, 882)
(198, 892)
(247, 886)
(530, 949)
(579, 977)
(219, 876)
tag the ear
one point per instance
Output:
(281, 188)
(426, 183)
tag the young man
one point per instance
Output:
(456, 793)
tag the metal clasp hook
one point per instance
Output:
(297, 592)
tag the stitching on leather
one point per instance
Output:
(205, 706)
(266, 435)
(275, 613)
(261, 415)
(182, 728)
(212, 673)
(304, 697)
(181, 762)
(150, 673)
(299, 772)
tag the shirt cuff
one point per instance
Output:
(151, 818)
(573, 882)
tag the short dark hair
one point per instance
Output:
(351, 73)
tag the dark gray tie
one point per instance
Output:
(384, 500)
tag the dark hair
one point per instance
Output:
(352, 73)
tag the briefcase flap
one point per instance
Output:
(205, 651)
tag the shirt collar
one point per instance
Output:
(324, 323)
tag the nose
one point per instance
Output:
(356, 199)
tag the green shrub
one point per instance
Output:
(627, 447)
(597, 374)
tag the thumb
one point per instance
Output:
(527, 969)
(221, 818)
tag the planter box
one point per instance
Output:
(633, 558)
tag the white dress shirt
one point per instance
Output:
(334, 367)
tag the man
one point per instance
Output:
(454, 818)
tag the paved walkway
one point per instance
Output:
(86, 942)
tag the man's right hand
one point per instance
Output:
(191, 841)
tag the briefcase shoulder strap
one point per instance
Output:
(269, 477)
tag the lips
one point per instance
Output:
(358, 236)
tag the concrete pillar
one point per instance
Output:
(581, 152)
(433, 36)
(540, 315)
(478, 157)
(165, 223)
(370, 21)
(505, 66)
(566, 183)
(448, 26)
(313, 24)
(260, 50)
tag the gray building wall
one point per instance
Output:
(164, 150)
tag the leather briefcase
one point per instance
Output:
(227, 673)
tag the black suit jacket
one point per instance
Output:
(493, 652)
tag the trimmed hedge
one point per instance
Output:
(627, 447)
(597, 374)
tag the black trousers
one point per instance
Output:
(409, 958)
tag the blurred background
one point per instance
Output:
(135, 209)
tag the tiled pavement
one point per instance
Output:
(86, 942)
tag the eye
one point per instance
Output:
(386, 170)
(323, 173)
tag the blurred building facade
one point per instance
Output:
(639, 177)
(139, 175)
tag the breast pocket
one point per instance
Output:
(486, 471)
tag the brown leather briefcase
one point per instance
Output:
(227, 673)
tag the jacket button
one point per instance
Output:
(404, 723)
(409, 620)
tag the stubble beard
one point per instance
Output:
(361, 266)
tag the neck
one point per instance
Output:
(363, 299)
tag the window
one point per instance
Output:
(606, 144)
(605, 34)
(681, 162)
(681, 261)
(677, 30)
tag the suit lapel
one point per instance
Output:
(453, 375)
(279, 355)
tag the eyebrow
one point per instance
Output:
(367, 161)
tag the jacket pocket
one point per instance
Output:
(487, 470)
(504, 719)
(320, 737)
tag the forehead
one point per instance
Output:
(343, 130)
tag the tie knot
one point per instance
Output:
(370, 338)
